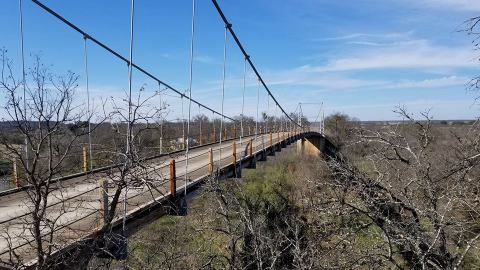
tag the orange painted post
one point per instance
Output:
(173, 179)
(85, 161)
(14, 173)
(210, 163)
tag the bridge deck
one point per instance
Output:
(75, 204)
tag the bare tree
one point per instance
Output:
(420, 188)
(41, 115)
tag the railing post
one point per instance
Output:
(225, 133)
(210, 161)
(249, 130)
(234, 157)
(173, 179)
(234, 131)
(14, 173)
(85, 161)
(103, 194)
(271, 139)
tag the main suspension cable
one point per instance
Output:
(245, 54)
(119, 56)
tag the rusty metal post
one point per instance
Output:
(225, 133)
(210, 163)
(14, 173)
(85, 161)
(173, 179)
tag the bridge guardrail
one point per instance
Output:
(106, 168)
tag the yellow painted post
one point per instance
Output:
(210, 163)
(14, 173)
(85, 161)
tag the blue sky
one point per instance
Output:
(361, 57)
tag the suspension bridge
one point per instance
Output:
(119, 195)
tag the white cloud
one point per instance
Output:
(204, 59)
(394, 35)
(431, 83)
(401, 55)
(336, 81)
